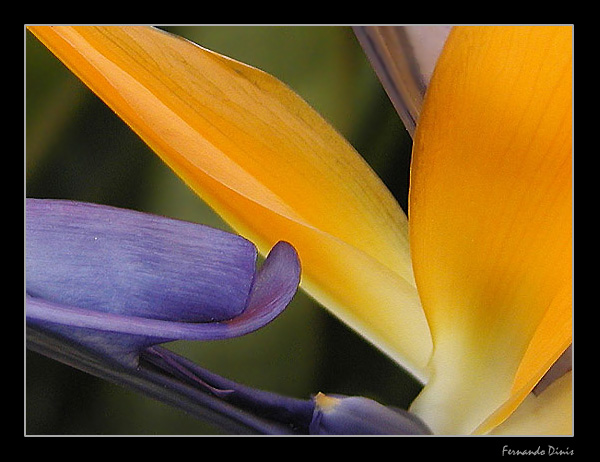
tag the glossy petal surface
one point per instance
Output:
(491, 219)
(269, 164)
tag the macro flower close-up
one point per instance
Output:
(421, 287)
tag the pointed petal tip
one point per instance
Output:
(274, 287)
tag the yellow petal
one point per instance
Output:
(490, 219)
(552, 337)
(550, 413)
(269, 164)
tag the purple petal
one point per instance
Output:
(356, 415)
(274, 287)
(294, 413)
(120, 261)
(165, 376)
(279, 278)
(154, 279)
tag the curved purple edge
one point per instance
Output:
(274, 287)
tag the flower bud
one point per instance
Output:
(355, 415)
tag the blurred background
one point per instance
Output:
(76, 148)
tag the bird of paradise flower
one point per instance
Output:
(487, 310)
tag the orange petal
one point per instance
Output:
(269, 164)
(490, 219)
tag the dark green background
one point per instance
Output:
(76, 148)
